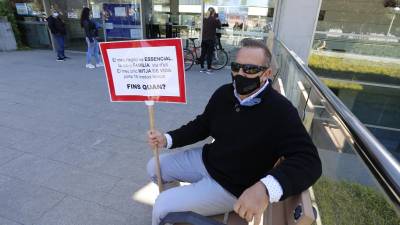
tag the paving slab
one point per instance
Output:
(58, 176)
(73, 211)
(8, 154)
(24, 202)
(4, 221)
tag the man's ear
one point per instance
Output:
(266, 75)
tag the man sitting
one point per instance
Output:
(253, 126)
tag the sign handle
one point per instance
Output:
(155, 150)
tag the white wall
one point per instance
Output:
(295, 22)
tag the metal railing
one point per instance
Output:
(351, 156)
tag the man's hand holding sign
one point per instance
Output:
(156, 139)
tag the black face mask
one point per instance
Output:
(245, 85)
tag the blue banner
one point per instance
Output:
(122, 20)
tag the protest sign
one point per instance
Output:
(145, 70)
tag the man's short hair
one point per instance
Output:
(253, 43)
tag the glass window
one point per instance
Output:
(117, 27)
(361, 27)
(31, 21)
(356, 53)
(242, 19)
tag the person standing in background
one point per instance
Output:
(58, 31)
(218, 33)
(210, 25)
(91, 33)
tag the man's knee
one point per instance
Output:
(151, 167)
(162, 206)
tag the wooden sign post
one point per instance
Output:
(156, 153)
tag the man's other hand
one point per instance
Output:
(252, 203)
(156, 139)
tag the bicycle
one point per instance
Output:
(220, 56)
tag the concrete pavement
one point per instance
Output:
(68, 156)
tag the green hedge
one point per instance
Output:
(7, 10)
(347, 203)
(355, 69)
(333, 84)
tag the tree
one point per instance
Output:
(390, 3)
(6, 10)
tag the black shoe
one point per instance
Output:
(60, 59)
(66, 57)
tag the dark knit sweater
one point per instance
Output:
(90, 28)
(250, 139)
(210, 26)
(56, 26)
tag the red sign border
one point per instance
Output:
(177, 42)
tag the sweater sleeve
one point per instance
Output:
(218, 24)
(86, 26)
(50, 23)
(196, 130)
(301, 166)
